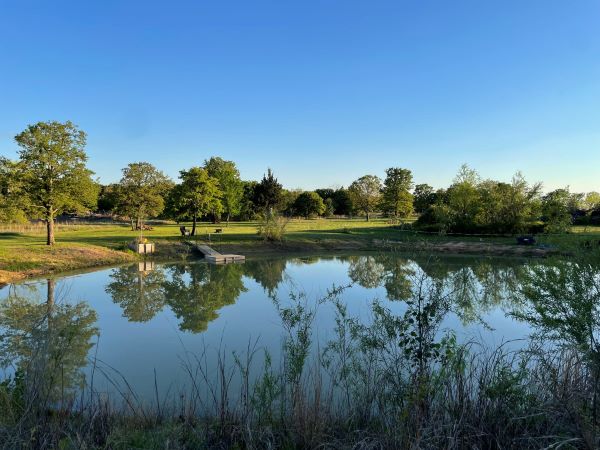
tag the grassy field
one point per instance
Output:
(23, 251)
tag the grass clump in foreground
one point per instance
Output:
(398, 381)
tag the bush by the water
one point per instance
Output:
(272, 227)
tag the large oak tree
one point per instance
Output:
(141, 192)
(197, 195)
(230, 184)
(366, 193)
(52, 170)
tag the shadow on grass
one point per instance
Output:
(10, 235)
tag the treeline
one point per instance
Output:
(50, 177)
(475, 205)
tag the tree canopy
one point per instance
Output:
(53, 173)
(230, 184)
(366, 193)
(141, 192)
(396, 198)
(309, 204)
(268, 193)
(197, 195)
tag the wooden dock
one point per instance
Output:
(214, 257)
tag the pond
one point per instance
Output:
(144, 329)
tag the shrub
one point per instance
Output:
(272, 227)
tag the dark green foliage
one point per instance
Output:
(556, 210)
(325, 193)
(309, 204)
(267, 193)
(248, 209)
(471, 205)
(230, 184)
(13, 202)
(423, 197)
(108, 199)
(197, 195)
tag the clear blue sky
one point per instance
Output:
(321, 91)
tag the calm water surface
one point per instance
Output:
(142, 323)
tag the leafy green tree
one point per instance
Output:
(561, 302)
(342, 202)
(53, 173)
(464, 200)
(556, 211)
(591, 201)
(232, 188)
(309, 204)
(197, 195)
(108, 199)
(268, 193)
(287, 202)
(141, 193)
(248, 209)
(325, 193)
(423, 197)
(13, 203)
(366, 194)
(329, 207)
(508, 207)
(396, 197)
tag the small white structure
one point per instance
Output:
(142, 248)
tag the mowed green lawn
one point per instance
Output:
(116, 236)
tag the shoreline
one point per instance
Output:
(65, 258)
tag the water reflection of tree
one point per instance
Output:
(477, 286)
(367, 271)
(139, 293)
(47, 342)
(269, 273)
(195, 292)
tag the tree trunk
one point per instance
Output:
(132, 224)
(194, 220)
(50, 293)
(367, 216)
(50, 229)
(228, 216)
